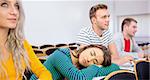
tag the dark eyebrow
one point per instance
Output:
(7, 1)
(96, 60)
(134, 26)
(105, 16)
(91, 53)
(4, 0)
(17, 4)
(94, 53)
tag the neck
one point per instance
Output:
(3, 47)
(97, 30)
(3, 35)
(126, 36)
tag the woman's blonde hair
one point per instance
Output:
(15, 46)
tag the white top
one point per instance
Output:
(88, 36)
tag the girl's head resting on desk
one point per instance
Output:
(94, 54)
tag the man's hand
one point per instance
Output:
(127, 58)
(122, 60)
(141, 55)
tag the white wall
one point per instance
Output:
(51, 22)
(137, 9)
(128, 7)
(59, 21)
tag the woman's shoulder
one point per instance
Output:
(61, 52)
(64, 50)
(113, 65)
(25, 43)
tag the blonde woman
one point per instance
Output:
(16, 55)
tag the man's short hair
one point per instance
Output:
(95, 8)
(127, 21)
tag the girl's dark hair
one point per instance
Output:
(107, 54)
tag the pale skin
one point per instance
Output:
(100, 23)
(88, 57)
(9, 15)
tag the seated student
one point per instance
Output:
(16, 55)
(125, 42)
(99, 33)
(83, 64)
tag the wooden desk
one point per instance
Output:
(43, 57)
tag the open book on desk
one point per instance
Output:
(127, 66)
(130, 65)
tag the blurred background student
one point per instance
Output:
(125, 41)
